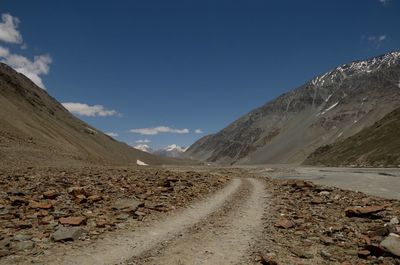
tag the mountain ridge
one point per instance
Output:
(339, 103)
(34, 126)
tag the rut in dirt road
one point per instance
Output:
(224, 238)
(241, 224)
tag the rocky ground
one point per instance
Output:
(200, 214)
(313, 224)
(43, 207)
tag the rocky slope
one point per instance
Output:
(35, 128)
(377, 145)
(331, 106)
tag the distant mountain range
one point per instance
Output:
(36, 129)
(173, 150)
(331, 107)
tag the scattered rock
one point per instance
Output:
(130, 205)
(364, 253)
(301, 253)
(51, 194)
(95, 198)
(326, 255)
(67, 234)
(40, 205)
(75, 191)
(24, 245)
(21, 237)
(394, 221)
(284, 223)
(18, 201)
(392, 244)
(79, 199)
(363, 211)
(267, 260)
(75, 221)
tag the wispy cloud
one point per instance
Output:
(374, 41)
(33, 69)
(9, 29)
(199, 131)
(143, 141)
(89, 111)
(384, 2)
(159, 129)
(112, 134)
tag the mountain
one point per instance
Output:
(144, 147)
(375, 146)
(172, 150)
(36, 129)
(332, 106)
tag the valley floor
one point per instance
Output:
(198, 215)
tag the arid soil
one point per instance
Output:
(314, 224)
(198, 215)
(35, 203)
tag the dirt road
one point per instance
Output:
(218, 230)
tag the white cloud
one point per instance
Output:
(159, 129)
(199, 131)
(9, 29)
(143, 141)
(112, 134)
(90, 111)
(384, 2)
(31, 69)
(4, 52)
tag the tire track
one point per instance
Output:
(224, 239)
(127, 244)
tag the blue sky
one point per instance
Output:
(171, 67)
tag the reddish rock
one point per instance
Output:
(284, 223)
(75, 191)
(80, 199)
(102, 223)
(317, 200)
(51, 194)
(40, 205)
(267, 260)
(363, 253)
(363, 211)
(72, 221)
(95, 198)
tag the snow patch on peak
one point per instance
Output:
(357, 67)
(143, 147)
(173, 147)
(172, 150)
(331, 107)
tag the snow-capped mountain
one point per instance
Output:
(172, 150)
(144, 148)
(330, 107)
